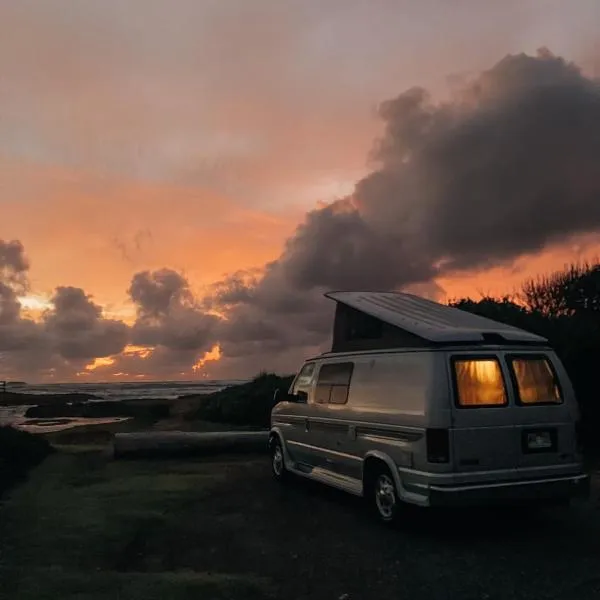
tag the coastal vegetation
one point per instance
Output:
(246, 404)
(87, 528)
(19, 452)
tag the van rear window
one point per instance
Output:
(479, 382)
(535, 380)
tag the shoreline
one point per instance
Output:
(48, 415)
(13, 399)
(242, 407)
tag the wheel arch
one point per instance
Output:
(276, 434)
(376, 458)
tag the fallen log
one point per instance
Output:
(158, 444)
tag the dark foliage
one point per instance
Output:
(246, 404)
(146, 409)
(19, 452)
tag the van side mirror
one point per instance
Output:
(301, 397)
(279, 396)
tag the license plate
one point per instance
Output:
(539, 440)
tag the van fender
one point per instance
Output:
(382, 456)
(275, 432)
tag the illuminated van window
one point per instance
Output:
(479, 382)
(536, 382)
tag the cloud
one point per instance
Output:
(77, 329)
(13, 263)
(69, 334)
(168, 315)
(507, 167)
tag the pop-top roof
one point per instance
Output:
(430, 320)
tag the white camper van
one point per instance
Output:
(426, 404)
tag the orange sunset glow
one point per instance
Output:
(180, 184)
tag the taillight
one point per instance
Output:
(438, 445)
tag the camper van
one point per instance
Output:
(430, 405)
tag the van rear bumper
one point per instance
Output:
(543, 490)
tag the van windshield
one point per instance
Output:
(479, 382)
(535, 380)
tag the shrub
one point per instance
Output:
(19, 452)
(245, 404)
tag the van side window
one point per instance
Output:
(333, 383)
(479, 382)
(305, 377)
(535, 380)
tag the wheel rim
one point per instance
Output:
(385, 496)
(278, 460)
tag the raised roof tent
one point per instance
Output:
(370, 320)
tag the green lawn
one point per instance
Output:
(76, 530)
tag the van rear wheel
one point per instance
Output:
(384, 496)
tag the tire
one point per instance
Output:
(280, 473)
(384, 499)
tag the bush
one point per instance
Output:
(246, 404)
(142, 409)
(19, 452)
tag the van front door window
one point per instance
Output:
(304, 378)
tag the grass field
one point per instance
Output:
(85, 527)
(74, 531)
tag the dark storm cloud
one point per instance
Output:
(78, 330)
(16, 333)
(9, 304)
(168, 315)
(13, 263)
(510, 165)
(68, 335)
(155, 293)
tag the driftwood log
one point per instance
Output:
(183, 443)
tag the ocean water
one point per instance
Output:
(127, 390)
(114, 391)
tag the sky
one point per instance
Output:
(180, 181)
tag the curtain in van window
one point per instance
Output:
(479, 382)
(535, 379)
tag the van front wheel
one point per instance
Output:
(277, 460)
(384, 496)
